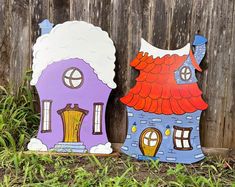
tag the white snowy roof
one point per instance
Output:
(156, 52)
(76, 39)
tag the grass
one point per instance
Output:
(18, 169)
(19, 122)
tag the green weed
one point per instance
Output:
(18, 118)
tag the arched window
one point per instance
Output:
(185, 73)
(150, 138)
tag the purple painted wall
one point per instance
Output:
(51, 87)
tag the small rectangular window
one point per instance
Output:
(46, 116)
(181, 138)
(97, 118)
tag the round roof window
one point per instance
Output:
(73, 78)
(185, 73)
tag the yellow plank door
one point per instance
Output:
(150, 141)
(72, 120)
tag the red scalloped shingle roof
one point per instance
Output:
(156, 90)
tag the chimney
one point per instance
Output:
(45, 26)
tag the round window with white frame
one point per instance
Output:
(73, 78)
(185, 73)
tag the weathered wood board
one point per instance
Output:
(167, 24)
(15, 42)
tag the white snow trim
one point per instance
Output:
(102, 149)
(156, 52)
(76, 39)
(36, 145)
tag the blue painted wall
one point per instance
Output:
(166, 151)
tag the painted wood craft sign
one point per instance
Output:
(73, 71)
(165, 105)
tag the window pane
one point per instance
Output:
(178, 143)
(187, 76)
(96, 117)
(186, 134)
(76, 74)
(187, 70)
(46, 125)
(96, 108)
(48, 117)
(76, 83)
(99, 108)
(45, 105)
(147, 134)
(146, 142)
(43, 124)
(66, 81)
(97, 127)
(153, 143)
(44, 115)
(67, 74)
(186, 143)
(178, 133)
(154, 135)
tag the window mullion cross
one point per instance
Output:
(182, 138)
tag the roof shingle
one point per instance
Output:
(156, 90)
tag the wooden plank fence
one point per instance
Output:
(167, 24)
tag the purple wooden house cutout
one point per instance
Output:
(73, 71)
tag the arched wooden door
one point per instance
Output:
(72, 120)
(150, 141)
